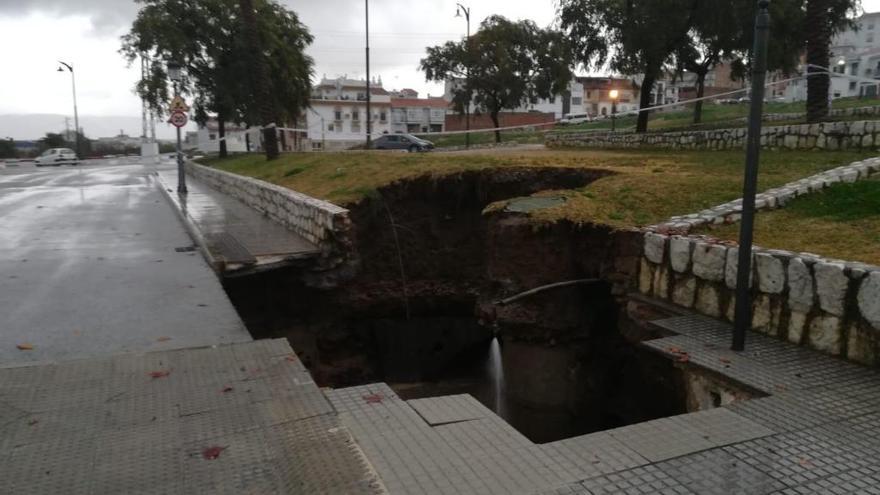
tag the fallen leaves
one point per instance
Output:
(163, 339)
(25, 347)
(227, 389)
(212, 453)
(806, 463)
(680, 355)
(374, 398)
(159, 374)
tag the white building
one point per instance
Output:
(572, 101)
(208, 138)
(418, 115)
(854, 53)
(337, 118)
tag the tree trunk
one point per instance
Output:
(247, 141)
(259, 78)
(818, 40)
(221, 132)
(701, 90)
(495, 122)
(645, 98)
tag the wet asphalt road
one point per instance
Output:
(88, 267)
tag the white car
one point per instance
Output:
(56, 156)
(575, 118)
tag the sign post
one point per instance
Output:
(178, 119)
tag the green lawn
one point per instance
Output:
(648, 186)
(841, 222)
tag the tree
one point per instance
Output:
(51, 140)
(823, 19)
(510, 64)
(635, 36)
(7, 148)
(210, 39)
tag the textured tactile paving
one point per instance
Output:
(661, 439)
(717, 472)
(146, 423)
(590, 455)
(449, 409)
(637, 481)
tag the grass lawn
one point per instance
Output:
(648, 186)
(842, 221)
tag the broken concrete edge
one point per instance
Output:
(825, 304)
(863, 134)
(189, 224)
(324, 224)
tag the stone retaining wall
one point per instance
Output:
(321, 223)
(824, 136)
(829, 305)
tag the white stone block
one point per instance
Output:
(826, 334)
(680, 253)
(831, 285)
(800, 286)
(709, 260)
(730, 269)
(771, 273)
(869, 299)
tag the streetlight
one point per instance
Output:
(613, 94)
(75, 111)
(459, 8)
(175, 74)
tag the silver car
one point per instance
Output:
(56, 157)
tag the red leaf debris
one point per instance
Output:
(806, 463)
(25, 347)
(33, 421)
(159, 374)
(212, 453)
(680, 355)
(291, 359)
(227, 389)
(724, 360)
(374, 398)
(163, 339)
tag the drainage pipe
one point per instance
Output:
(544, 288)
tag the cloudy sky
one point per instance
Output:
(34, 34)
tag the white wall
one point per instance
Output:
(208, 141)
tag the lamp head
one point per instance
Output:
(457, 11)
(60, 69)
(613, 94)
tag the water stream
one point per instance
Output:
(495, 373)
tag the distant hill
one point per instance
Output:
(35, 126)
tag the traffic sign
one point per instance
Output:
(178, 105)
(177, 119)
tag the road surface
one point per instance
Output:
(90, 265)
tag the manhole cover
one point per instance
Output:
(525, 205)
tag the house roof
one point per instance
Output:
(419, 102)
(607, 83)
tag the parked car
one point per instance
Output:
(402, 142)
(56, 156)
(574, 118)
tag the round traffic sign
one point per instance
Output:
(178, 119)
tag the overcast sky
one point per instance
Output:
(35, 34)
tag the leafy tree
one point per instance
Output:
(510, 63)
(822, 20)
(210, 39)
(51, 140)
(7, 148)
(635, 36)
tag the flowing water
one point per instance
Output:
(495, 374)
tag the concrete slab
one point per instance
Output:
(90, 268)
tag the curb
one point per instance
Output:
(188, 224)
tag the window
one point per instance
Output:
(577, 100)
(337, 114)
(852, 86)
(382, 117)
(870, 27)
(870, 38)
(854, 69)
(212, 137)
(316, 145)
(552, 100)
(355, 115)
(330, 127)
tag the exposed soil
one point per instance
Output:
(422, 306)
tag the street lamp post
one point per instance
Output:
(613, 94)
(459, 8)
(369, 115)
(174, 73)
(75, 110)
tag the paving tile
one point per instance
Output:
(449, 409)
(661, 439)
(721, 426)
(717, 472)
(587, 456)
(637, 481)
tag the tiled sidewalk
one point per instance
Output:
(243, 418)
(816, 431)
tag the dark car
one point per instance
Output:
(402, 142)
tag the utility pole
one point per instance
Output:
(369, 115)
(75, 110)
(743, 310)
(467, 78)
